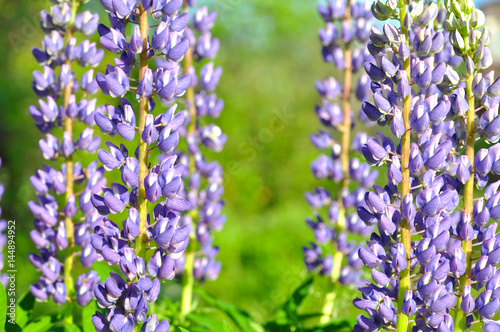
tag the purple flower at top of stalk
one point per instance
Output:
(63, 226)
(126, 297)
(203, 185)
(335, 253)
(428, 215)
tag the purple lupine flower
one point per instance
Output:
(58, 88)
(428, 215)
(203, 185)
(335, 253)
(126, 297)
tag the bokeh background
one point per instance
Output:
(271, 58)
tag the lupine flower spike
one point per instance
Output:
(344, 42)
(63, 226)
(146, 246)
(429, 215)
(203, 185)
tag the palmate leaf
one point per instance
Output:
(241, 318)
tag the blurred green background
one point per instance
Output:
(271, 58)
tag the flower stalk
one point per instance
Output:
(345, 130)
(187, 279)
(204, 182)
(142, 204)
(405, 282)
(68, 130)
(126, 296)
(60, 233)
(422, 261)
(343, 44)
(468, 198)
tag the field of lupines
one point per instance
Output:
(229, 165)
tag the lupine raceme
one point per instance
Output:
(433, 259)
(153, 234)
(426, 232)
(64, 214)
(344, 45)
(203, 185)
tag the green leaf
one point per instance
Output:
(198, 329)
(87, 312)
(227, 327)
(13, 328)
(204, 321)
(304, 317)
(276, 327)
(70, 327)
(256, 327)
(24, 309)
(343, 326)
(288, 312)
(352, 320)
(3, 306)
(183, 329)
(42, 325)
(337, 325)
(241, 318)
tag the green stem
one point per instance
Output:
(460, 317)
(142, 205)
(338, 256)
(68, 222)
(187, 280)
(328, 307)
(404, 276)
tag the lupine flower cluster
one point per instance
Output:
(61, 233)
(436, 247)
(203, 185)
(343, 44)
(3, 240)
(126, 296)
